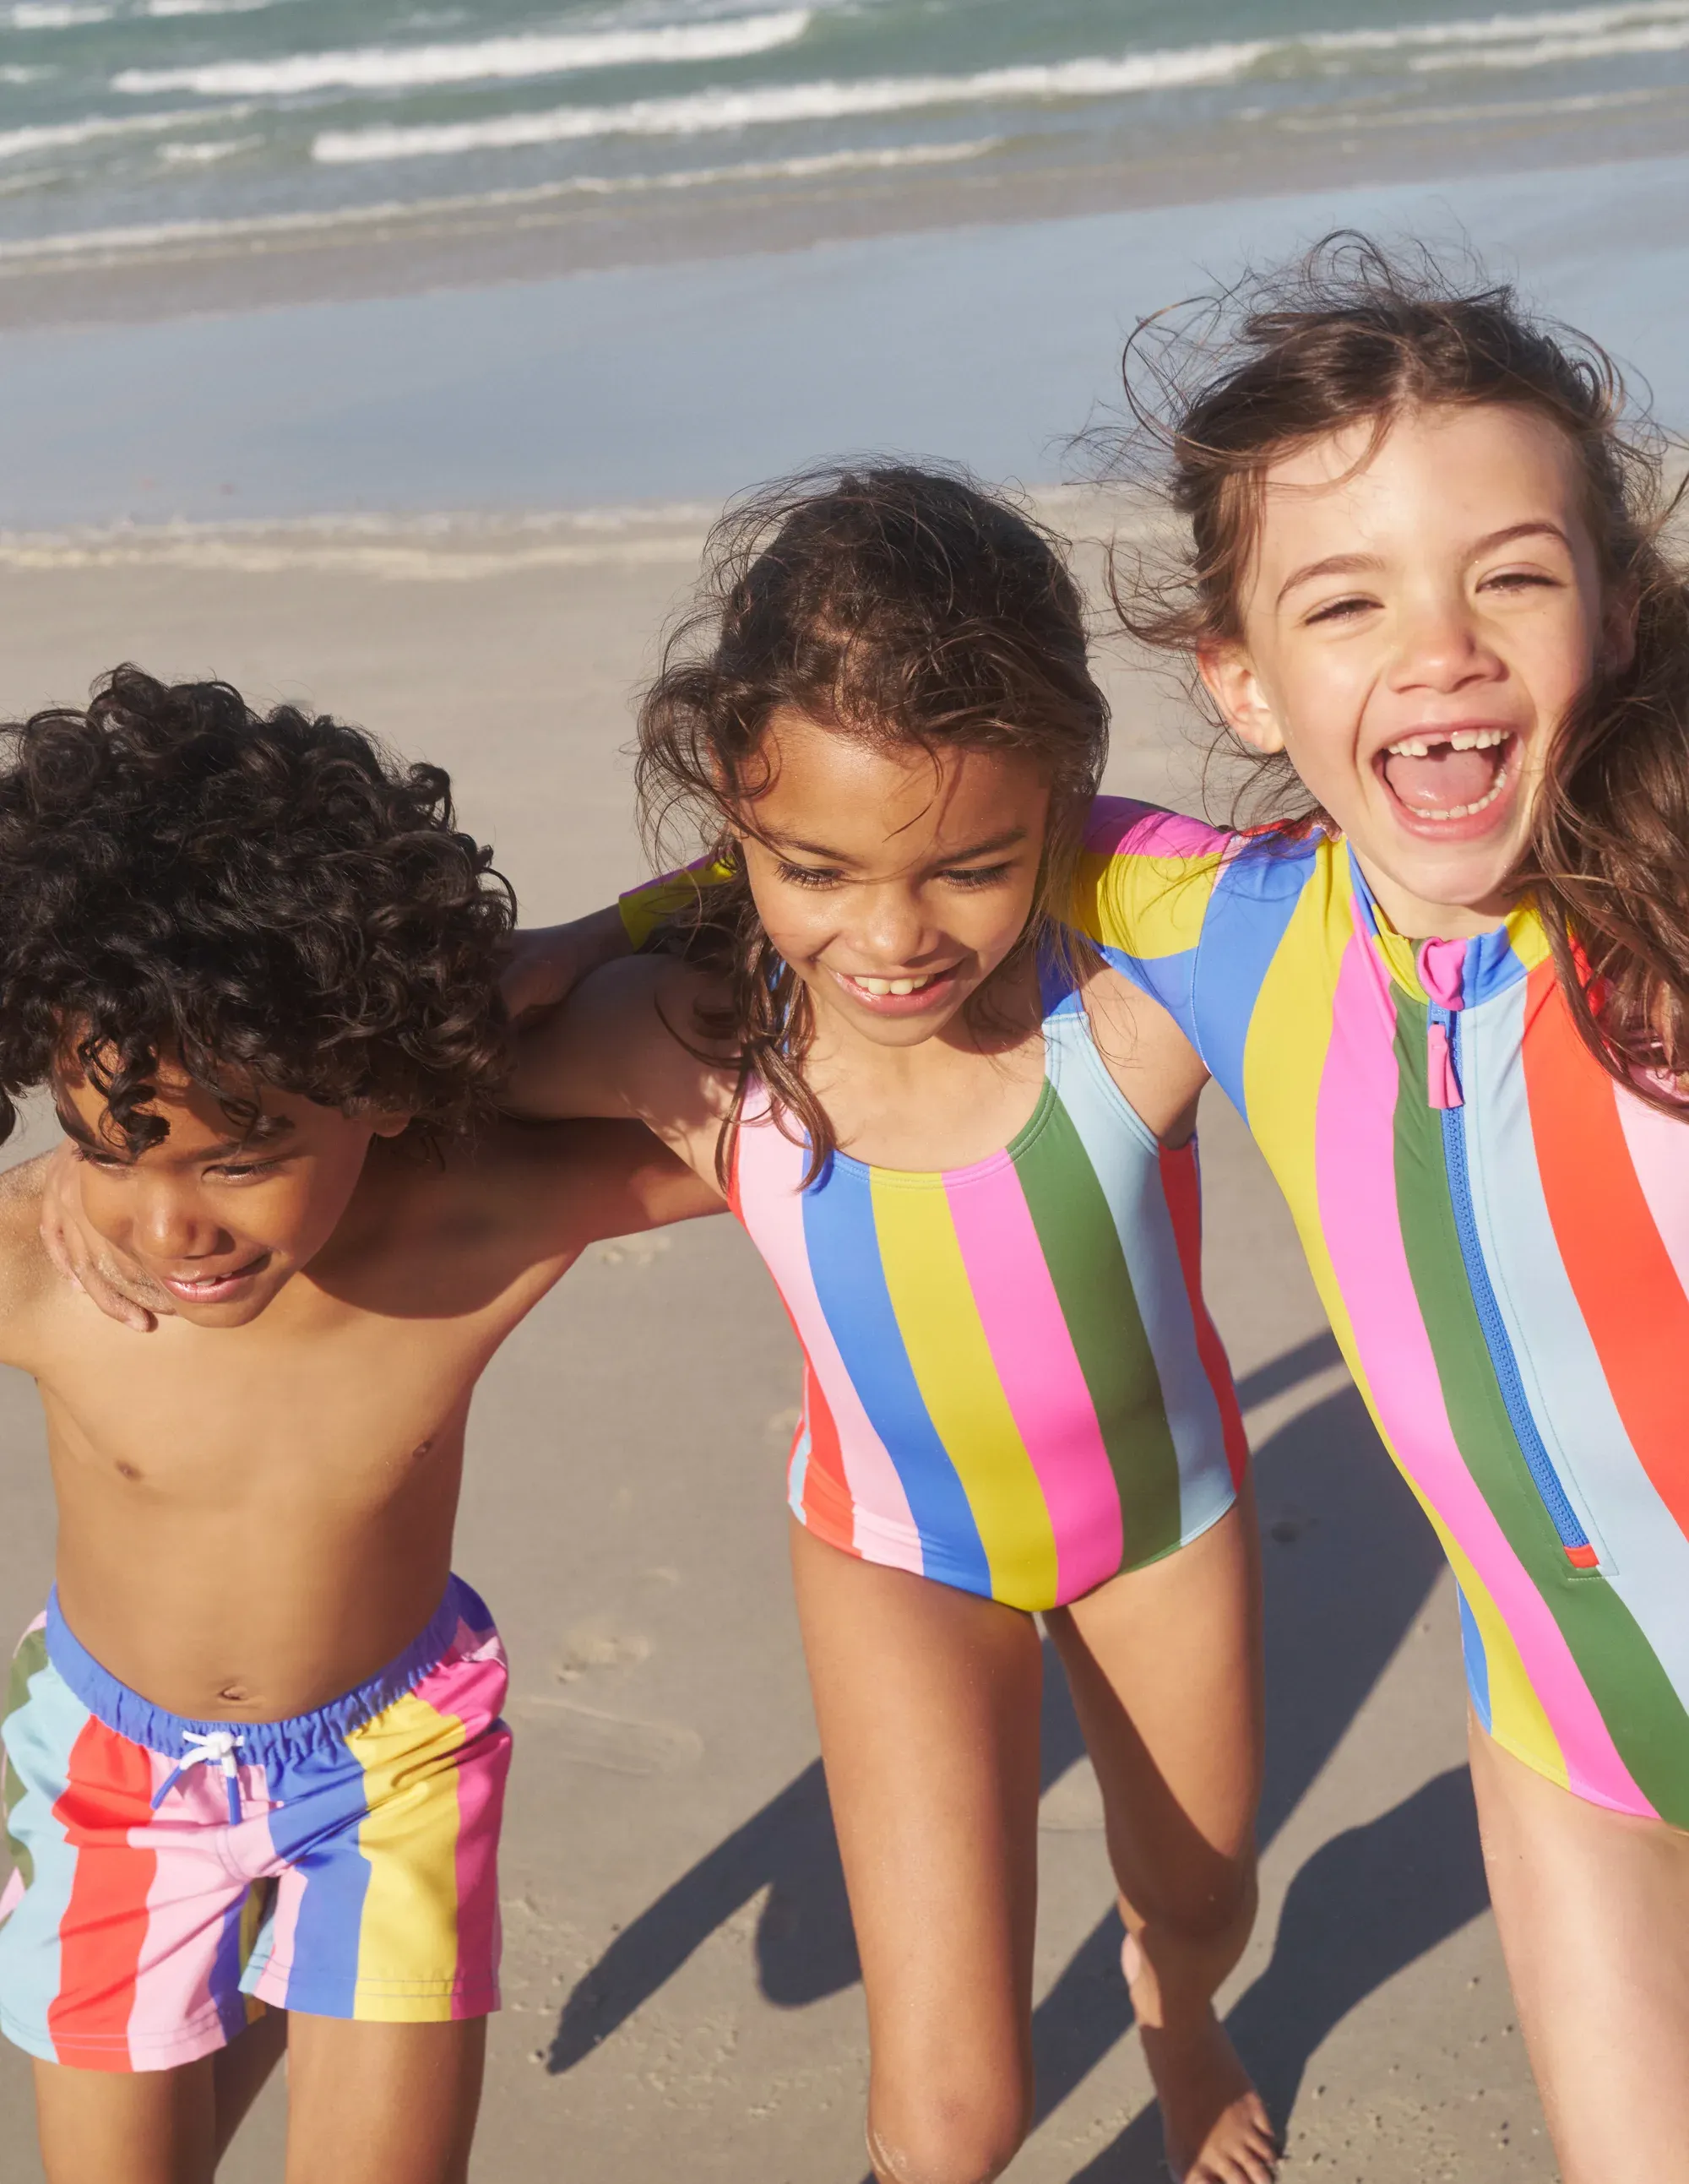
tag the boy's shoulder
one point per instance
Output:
(28, 1277)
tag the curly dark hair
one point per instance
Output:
(269, 898)
(900, 607)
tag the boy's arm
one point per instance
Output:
(547, 963)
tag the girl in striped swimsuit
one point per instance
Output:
(1452, 1004)
(963, 1145)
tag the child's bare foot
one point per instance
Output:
(1216, 2129)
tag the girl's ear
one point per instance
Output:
(1229, 676)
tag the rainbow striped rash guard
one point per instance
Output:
(1011, 1381)
(1500, 1233)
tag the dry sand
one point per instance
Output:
(682, 1999)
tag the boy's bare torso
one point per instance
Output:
(255, 1519)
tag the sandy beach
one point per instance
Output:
(682, 1999)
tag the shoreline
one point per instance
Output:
(550, 230)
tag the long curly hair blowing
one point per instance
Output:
(1352, 334)
(904, 608)
(270, 899)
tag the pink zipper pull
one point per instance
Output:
(1444, 1086)
(1441, 964)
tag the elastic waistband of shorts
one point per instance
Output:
(143, 1723)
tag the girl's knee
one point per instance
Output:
(1216, 1909)
(949, 2136)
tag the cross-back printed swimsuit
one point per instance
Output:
(1011, 1381)
(1500, 1233)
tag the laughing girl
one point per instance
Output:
(1426, 581)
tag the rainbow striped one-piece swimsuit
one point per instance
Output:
(1500, 1233)
(1011, 1381)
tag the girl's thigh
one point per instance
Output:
(1593, 1911)
(928, 1700)
(1164, 1664)
(381, 2103)
(127, 2127)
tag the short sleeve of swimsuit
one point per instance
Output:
(1196, 917)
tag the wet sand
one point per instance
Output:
(681, 2000)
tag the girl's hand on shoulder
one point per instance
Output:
(119, 1289)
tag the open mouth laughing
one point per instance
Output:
(1456, 779)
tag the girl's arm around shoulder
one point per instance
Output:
(629, 1044)
(538, 1193)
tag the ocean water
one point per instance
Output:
(134, 115)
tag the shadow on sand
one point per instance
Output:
(1349, 1561)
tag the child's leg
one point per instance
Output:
(1593, 1909)
(927, 1703)
(127, 2126)
(1165, 1667)
(381, 2103)
(153, 2127)
(240, 2071)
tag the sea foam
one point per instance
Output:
(1501, 41)
(508, 59)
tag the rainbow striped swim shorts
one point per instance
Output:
(171, 1875)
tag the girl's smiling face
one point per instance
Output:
(893, 881)
(1416, 626)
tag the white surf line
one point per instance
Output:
(205, 7)
(54, 136)
(445, 544)
(51, 15)
(28, 254)
(444, 547)
(765, 105)
(507, 59)
(1548, 53)
(1442, 44)
(1500, 109)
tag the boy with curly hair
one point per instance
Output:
(253, 1749)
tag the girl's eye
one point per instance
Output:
(1519, 580)
(977, 876)
(243, 1171)
(809, 875)
(1341, 609)
(95, 1160)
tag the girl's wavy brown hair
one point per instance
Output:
(904, 608)
(1351, 334)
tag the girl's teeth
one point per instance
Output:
(1461, 739)
(1466, 810)
(890, 985)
